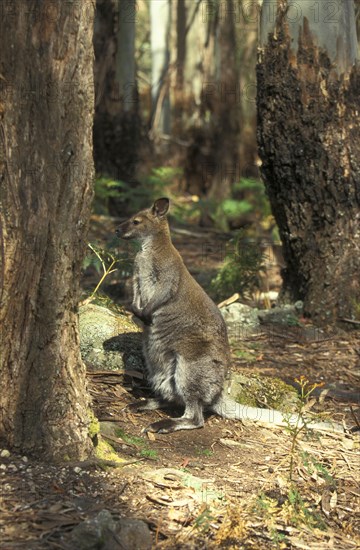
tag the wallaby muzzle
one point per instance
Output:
(123, 231)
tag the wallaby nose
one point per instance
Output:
(118, 232)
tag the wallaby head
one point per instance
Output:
(146, 223)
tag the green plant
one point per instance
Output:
(149, 453)
(248, 197)
(204, 519)
(312, 465)
(130, 439)
(139, 195)
(299, 513)
(306, 389)
(105, 188)
(289, 508)
(139, 443)
(204, 452)
(102, 260)
(254, 195)
(240, 271)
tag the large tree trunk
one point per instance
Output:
(309, 143)
(47, 175)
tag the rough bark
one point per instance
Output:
(46, 173)
(308, 105)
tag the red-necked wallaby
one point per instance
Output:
(185, 340)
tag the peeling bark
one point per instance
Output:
(308, 112)
(46, 170)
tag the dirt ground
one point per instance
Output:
(223, 486)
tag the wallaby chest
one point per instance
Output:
(147, 276)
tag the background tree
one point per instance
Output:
(117, 124)
(160, 17)
(309, 143)
(210, 98)
(47, 174)
(192, 72)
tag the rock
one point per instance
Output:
(104, 533)
(286, 315)
(262, 391)
(92, 533)
(240, 317)
(134, 534)
(109, 340)
(5, 453)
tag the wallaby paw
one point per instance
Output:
(138, 406)
(161, 427)
(140, 314)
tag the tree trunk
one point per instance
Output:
(212, 161)
(125, 71)
(117, 123)
(308, 104)
(159, 38)
(47, 175)
(178, 81)
(226, 106)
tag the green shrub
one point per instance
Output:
(139, 195)
(243, 261)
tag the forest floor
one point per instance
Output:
(226, 485)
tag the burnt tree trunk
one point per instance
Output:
(46, 173)
(308, 111)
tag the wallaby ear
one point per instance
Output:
(160, 207)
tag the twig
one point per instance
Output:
(354, 417)
(352, 321)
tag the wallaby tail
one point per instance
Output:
(228, 408)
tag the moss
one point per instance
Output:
(104, 451)
(262, 391)
(94, 425)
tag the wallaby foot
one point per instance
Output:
(150, 404)
(169, 425)
(191, 419)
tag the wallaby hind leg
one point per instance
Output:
(149, 404)
(191, 419)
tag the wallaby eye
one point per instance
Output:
(136, 222)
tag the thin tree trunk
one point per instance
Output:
(47, 175)
(309, 143)
(125, 55)
(178, 88)
(159, 38)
